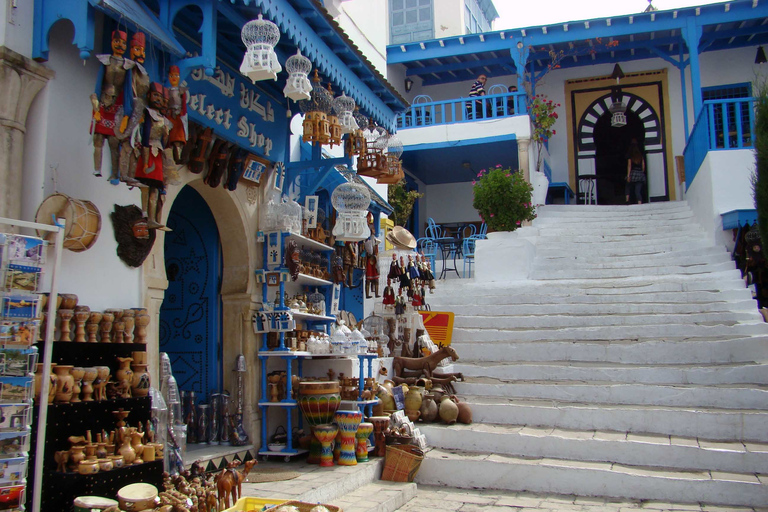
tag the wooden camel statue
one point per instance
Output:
(423, 365)
(229, 483)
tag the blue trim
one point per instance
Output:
(739, 218)
(458, 143)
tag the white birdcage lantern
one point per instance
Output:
(351, 201)
(298, 86)
(333, 122)
(618, 109)
(356, 144)
(373, 163)
(316, 108)
(344, 107)
(260, 62)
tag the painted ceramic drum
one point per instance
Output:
(325, 434)
(364, 431)
(319, 401)
(348, 421)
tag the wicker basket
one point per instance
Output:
(402, 462)
(306, 507)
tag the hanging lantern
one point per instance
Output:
(356, 144)
(333, 122)
(373, 162)
(344, 106)
(316, 126)
(260, 37)
(618, 109)
(360, 119)
(298, 87)
(351, 201)
(394, 169)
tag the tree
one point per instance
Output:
(402, 200)
(760, 179)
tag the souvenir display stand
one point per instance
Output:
(22, 358)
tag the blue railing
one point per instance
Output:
(721, 125)
(461, 110)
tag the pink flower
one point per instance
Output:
(519, 223)
(491, 215)
(474, 182)
(498, 166)
(507, 175)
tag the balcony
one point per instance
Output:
(425, 112)
(710, 133)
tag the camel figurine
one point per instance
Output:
(425, 365)
(229, 482)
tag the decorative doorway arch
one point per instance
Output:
(652, 140)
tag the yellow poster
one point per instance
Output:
(439, 325)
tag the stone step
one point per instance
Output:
(612, 211)
(552, 321)
(683, 350)
(562, 371)
(380, 496)
(492, 471)
(627, 248)
(651, 450)
(726, 396)
(644, 261)
(701, 422)
(594, 309)
(607, 333)
(597, 232)
(613, 273)
(681, 217)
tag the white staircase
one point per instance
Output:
(630, 365)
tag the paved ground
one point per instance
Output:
(436, 499)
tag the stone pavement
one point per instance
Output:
(441, 499)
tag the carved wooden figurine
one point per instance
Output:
(229, 483)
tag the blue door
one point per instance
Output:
(190, 327)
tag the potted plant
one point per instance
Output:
(502, 197)
(543, 119)
(402, 200)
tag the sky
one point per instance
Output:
(517, 14)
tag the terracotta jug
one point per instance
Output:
(465, 411)
(449, 411)
(413, 399)
(124, 377)
(140, 381)
(429, 409)
(138, 448)
(65, 383)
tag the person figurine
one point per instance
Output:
(371, 275)
(416, 298)
(478, 89)
(135, 102)
(350, 260)
(400, 303)
(177, 113)
(413, 270)
(389, 294)
(394, 269)
(405, 279)
(635, 172)
(511, 100)
(427, 276)
(149, 168)
(105, 118)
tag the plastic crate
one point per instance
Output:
(249, 504)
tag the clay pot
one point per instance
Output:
(118, 329)
(68, 300)
(88, 467)
(88, 377)
(127, 451)
(465, 411)
(64, 384)
(105, 464)
(77, 375)
(39, 383)
(413, 415)
(449, 411)
(101, 451)
(76, 455)
(429, 409)
(140, 381)
(117, 461)
(124, 376)
(387, 400)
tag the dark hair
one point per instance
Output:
(635, 155)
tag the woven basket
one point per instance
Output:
(402, 462)
(306, 507)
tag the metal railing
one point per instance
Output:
(462, 110)
(721, 125)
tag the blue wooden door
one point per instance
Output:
(190, 326)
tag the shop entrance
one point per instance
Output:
(190, 317)
(611, 145)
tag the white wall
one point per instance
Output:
(63, 111)
(16, 26)
(450, 202)
(449, 18)
(366, 22)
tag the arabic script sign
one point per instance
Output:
(237, 111)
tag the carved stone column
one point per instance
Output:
(20, 81)
(522, 158)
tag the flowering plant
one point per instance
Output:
(502, 197)
(543, 118)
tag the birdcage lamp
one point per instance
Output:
(351, 201)
(260, 62)
(298, 86)
(316, 128)
(344, 107)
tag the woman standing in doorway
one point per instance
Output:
(635, 173)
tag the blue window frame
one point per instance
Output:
(411, 20)
(475, 19)
(733, 111)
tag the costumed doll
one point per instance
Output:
(137, 82)
(394, 269)
(372, 276)
(389, 294)
(149, 169)
(400, 303)
(413, 269)
(350, 260)
(426, 273)
(417, 291)
(107, 118)
(177, 113)
(338, 269)
(405, 279)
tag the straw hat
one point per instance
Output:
(401, 238)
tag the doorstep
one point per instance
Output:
(217, 456)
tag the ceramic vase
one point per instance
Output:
(89, 376)
(68, 301)
(77, 376)
(117, 461)
(449, 411)
(127, 451)
(465, 411)
(140, 380)
(39, 383)
(429, 410)
(105, 464)
(325, 434)
(64, 384)
(413, 403)
(348, 421)
(129, 321)
(82, 313)
(65, 315)
(364, 431)
(88, 467)
(107, 318)
(124, 376)
(118, 318)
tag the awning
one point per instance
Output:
(139, 17)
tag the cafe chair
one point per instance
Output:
(468, 250)
(428, 247)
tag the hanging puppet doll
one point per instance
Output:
(177, 113)
(389, 294)
(137, 87)
(108, 102)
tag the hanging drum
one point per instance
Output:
(83, 220)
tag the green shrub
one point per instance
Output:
(503, 199)
(760, 181)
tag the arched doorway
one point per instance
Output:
(190, 316)
(611, 145)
